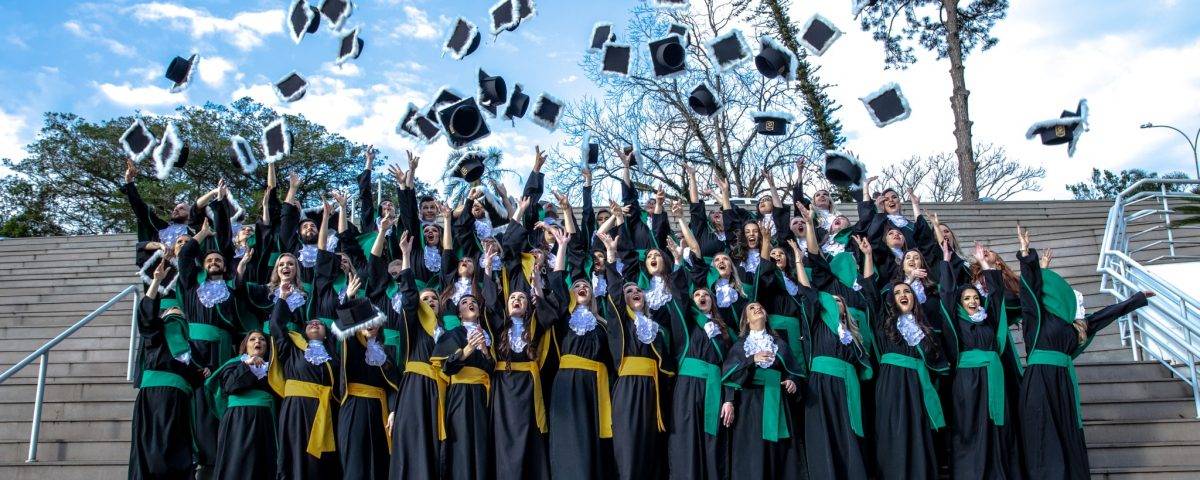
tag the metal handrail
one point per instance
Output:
(1168, 329)
(43, 353)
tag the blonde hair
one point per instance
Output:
(277, 281)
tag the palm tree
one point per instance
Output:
(455, 189)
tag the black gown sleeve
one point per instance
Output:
(366, 202)
(1105, 316)
(148, 224)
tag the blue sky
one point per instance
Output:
(1134, 61)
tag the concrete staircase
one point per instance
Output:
(1140, 422)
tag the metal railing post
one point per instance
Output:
(133, 336)
(1167, 219)
(37, 408)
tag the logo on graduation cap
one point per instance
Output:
(887, 105)
(771, 123)
(547, 110)
(470, 166)
(463, 39)
(728, 51)
(615, 58)
(336, 11)
(668, 56)
(703, 100)
(303, 19)
(1067, 128)
(180, 72)
(276, 141)
(518, 103)
(171, 152)
(843, 169)
(493, 92)
(463, 122)
(602, 33)
(138, 140)
(350, 47)
(291, 87)
(243, 154)
(773, 60)
(819, 34)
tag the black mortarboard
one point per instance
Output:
(463, 39)
(469, 167)
(170, 153)
(445, 96)
(427, 130)
(504, 16)
(590, 152)
(243, 154)
(601, 33)
(276, 141)
(350, 47)
(704, 101)
(842, 169)
(547, 110)
(354, 315)
(728, 51)
(463, 122)
(616, 58)
(633, 151)
(302, 19)
(518, 103)
(669, 3)
(1067, 128)
(405, 128)
(774, 60)
(818, 34)
(682, 31)
(887, 105)
(180, 71)
(138, 140)
(771, 123)
(525, 10)
(668, 56)
(337, 11)
(493, 92)
(291, 87)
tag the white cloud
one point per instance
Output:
(92, 32)
(147, 96)
(214, 69)
(245, 30)
(417, 25)
(348, 69)
(11, 127)
(568, 79)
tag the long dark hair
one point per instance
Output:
(448, 288)
(899, 277)
(715, 313)
(503, 347)
(891, 315)
(741, 250)
(246, 341)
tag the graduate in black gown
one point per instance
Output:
(760, 374)
(1056, 331)
(161, 443)
(466, 356)
(366, 383)
(243, 399)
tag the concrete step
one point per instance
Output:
(92, 330)
(1147, 409)
(1120, 371)
(1102, 455)
(69, 430)
(116, 316)
(75, 369)
(1166, 472)
(1130, 391)
(77, 391)
(81, 450)
(1129, 431)
(69, 411)
(72, 356)
(66, 470)
(72, 343)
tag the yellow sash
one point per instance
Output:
(363, 390)
(475, 376)
(539, 405)
(644, 367)
(427, 318)
(320, 438)
(427, 370)
(603, 400)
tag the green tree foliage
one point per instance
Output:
(69, 179)
(1106, 184)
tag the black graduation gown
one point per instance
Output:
(577, 450)
(361, 434)
(297, 414)
(246, 447)
(1052, 440)
(161, 442)
(904, 435)
(693, 452)
(980, 448)
(410, 222)
(468, 446)
(753, 457)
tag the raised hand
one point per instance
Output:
(795, 248)
(293, 180)
(386, 223)
(443, 209)
(339, 197)
(370, 157)
(353, 283)
(130, 170)
(980, 254)
(947, 252)
(222, 190)
(397, 174)
(245, 261)
(864, 245)
(539, 158)
(677, 208)
(205, 230)
(285, 290)
(675, 248)
(413, 161)
(1046, 256)
(1023, 239)
(406, 242)
(609, 241)
(499, 189)
(805, 213)
(160, 272)
(560, 237)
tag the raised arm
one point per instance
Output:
(366, 195)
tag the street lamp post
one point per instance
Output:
(1192, 142)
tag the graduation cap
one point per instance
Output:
(669, 3)
(728, 51)
(336, 11)
(351, 47)
(291, 87)
(425, 129)
(463, 122)
(518, 103)
(493, 92)
(1065, 129)
(276, 141)
(668, 56)
(243, 154)
(138, 140)
(525, 10)
(445, 96)
(354, 315)
(170, 152)
(302, 19)
(842, 169)
(616, 58)
(546, 111)
(887, 105)
(602, 33)
(180, 71)
(404, 127)
(703, 100)
(774, 60)
(463, 39)
(590, 151)
(818, 34)
(504, 16)
(771, 123)
(634, 152)
(470, 166)
(682, 31)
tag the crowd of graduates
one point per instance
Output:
(535, 338)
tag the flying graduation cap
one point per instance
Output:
(463, 122)
(138, 140)
(819, 34)
(774, 60)
(445, 96)
(546, 111)
(682, 31)
(887, 105)
(843, 169)
(590, 152)
(463, 39)
(276, 141)
(404, 128)
(616, 59)
(703, 100)
(350, 47)
(355, 315)
(180, 72)
(668, 57)
(728, 51)
(1067, 128)
(426, 130)
(336, 11)
(170, 152)
(525, 10)
(771, 123)
(470, 166)
(243, 154)
(303, 19)
(493, 92)
(504, 16)
(518, 103)
(602, 33)
(291, 87)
